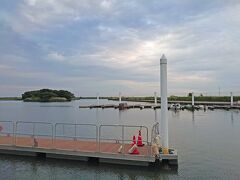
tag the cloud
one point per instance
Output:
(119, 43)
(106, 4)
(55, 56)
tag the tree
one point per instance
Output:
(45, 95)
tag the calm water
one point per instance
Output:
(208, 143)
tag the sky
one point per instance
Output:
(112, 46)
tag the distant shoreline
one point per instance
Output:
(10, 99)
(150, 99)
(20, 99)
(204, 100)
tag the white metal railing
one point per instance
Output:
(9, 131)
(53, 136)
(123, 140)
(155, 131)
(75, 137)
(34, 133)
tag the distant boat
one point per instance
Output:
(175, 106)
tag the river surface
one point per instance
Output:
(208, 143)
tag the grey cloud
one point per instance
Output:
(121, 41)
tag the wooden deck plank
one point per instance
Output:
(70, 145)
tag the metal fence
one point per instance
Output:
(71, 132)
(62, 135)
(7, 130)
(32, 129)
(123, 138)
(155, 131)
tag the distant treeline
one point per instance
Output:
(92, 97)
(179, 98)
(10, 98)
(48, 95)
(204, 98)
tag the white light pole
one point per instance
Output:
(164, 104)
(155, 98)
(231, 99)
(192, 98)
(120, 97)
(98, 99)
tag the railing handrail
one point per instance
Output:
(33, 122)
(12, 123)
(123, 126)
(98, 135)
(75, 125)
(155, 131)
(12, 132)
(28, 122)
(33, 129)
(75, 130)
(72, 124)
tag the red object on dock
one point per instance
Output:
(135, 151)
(134, 140)
(139, 142)
(70, 145)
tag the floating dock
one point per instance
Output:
(96, 148)
(122, 107)
(150, 106)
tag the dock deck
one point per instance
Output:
(76, 148)
(131, 106)
(184, 105)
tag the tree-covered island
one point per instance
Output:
(47, 95)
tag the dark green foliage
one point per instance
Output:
(45, 95)
(204, 98)
(10, 98)
(180, 98)
(66, 94)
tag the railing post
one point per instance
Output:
(13, 133)
(123, 145)
(52, 137)
(55, 129)
(75, 139)
(148, 144)
(99, 139)
(96, 137)
(155, 98)
(15, 139)
(33, 134)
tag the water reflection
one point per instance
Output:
(193, 117)
(120, 117)
(34, 168)
(97, 116)
(175, 113)
(200, 137)
(155, 116)
(232, 120)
